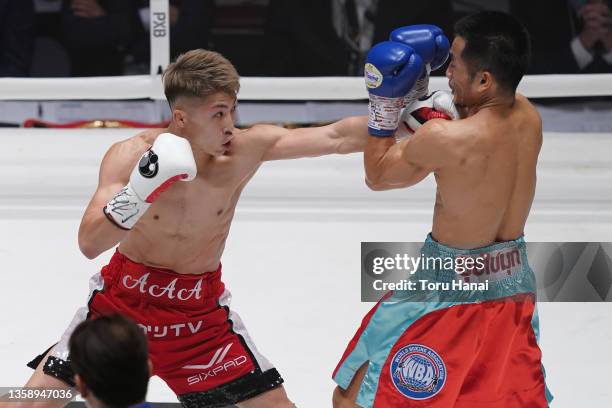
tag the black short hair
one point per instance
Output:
(110, 354)
(498, 43)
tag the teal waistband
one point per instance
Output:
(466, 275)
(431, 243)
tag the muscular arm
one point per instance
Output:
(390, 165)
(345, 136)
(97, 233)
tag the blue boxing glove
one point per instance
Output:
(391, 70)
(432, 46)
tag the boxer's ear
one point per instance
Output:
(179, 117)
(81, 386)
(485, 81)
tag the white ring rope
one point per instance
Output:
(265, 88)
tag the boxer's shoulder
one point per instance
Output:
(526, 108)
(447, 130)
(147, 136)
(132, 148)
(261, 132)
(257, 138)
(143, 140)
(467, 136)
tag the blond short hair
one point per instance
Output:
(200, 73)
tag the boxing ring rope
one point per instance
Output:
(267, 89)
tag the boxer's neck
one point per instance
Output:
(493, 103)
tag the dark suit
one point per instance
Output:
(396, 13)
(192, 29)
(300, 40)
(551, 33)
(97, 46)
(16, 37)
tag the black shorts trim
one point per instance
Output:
(36, 361)
(60, 369)
(55, 367)
(245, 387)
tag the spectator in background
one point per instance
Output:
(50, 58)
(301, 40)
(354, 23)
(16, 37)
(393, 14)
(575, 38)
(97, 34)
(332, 37)
(110, 360)
(592, 47)
(190, 22)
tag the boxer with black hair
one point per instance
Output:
(455, 348)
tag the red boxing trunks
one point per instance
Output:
(197, 345)
(455, 346)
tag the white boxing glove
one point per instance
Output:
(437, 105)
(169, 160)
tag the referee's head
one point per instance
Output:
(109, 357)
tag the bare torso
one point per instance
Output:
(186, 227)
(487, 196)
